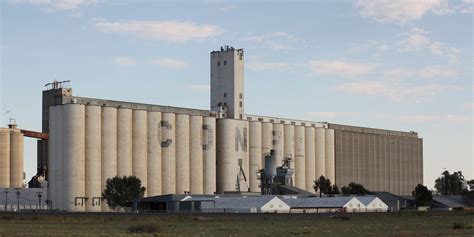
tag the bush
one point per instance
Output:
(460, 226)
(144, 228)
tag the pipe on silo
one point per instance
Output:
(330, 156)
(16, 158)
(139, 146)
(209, 154)
(124, 142)
(310, 173)
(4, 158)
(73, 128)
(109, 147)
(320, 146)
(255, 153)
(154, 154)
(168, 153)
(196, 155)
(300, 171)
(267, 140)
(93, 148)
(182, 153)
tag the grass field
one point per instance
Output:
(459, 223)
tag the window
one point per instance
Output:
(225, 95)
(225, 62)
(240, 95)
(240, 104)
(218, 63)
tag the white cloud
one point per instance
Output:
(468, 105)
(173, 31)
(227, 8)
(170, 63)
(260, 66)
(417, 40)
(125, 61)
(340, 68)
(425, 72)
(333, 114)
(200, 87)
(400, 11)
(394, 89)
(57, 5)
(435, 118)
(275, 40)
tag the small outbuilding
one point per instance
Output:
(373, 204)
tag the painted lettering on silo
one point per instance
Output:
(241, 139)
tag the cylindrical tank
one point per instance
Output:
(182, 153)
(168, 154)
(196, 155)
(244, 185)
(73, 156)
(227, 150)
(124, 142)
(209, 154)
(320, 153)
(4, 158)
(109, 147)
(60, 174)
(330, 158)
(154, 154)
(278, 141)
(139, 148)
(255, 154)
(270, 165)
(52, 148)
(267, 140)
(289, 149)
(300, 171)
(310, 159)
(16, 159)
(93, 144)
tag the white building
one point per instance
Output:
(373, 204)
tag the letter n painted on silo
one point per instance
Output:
(241, 140)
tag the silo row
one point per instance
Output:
(311, 150)
(11, 158)
(170, 153)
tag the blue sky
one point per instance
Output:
(403, 65)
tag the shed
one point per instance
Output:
(373, 204)
(323, 205)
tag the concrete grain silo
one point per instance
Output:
(255, 154)
(182, 153)
(310, 164)
(4, 158)
(209, 143)
(139, 147)
(168, 153)
(329, 157)
(124, 141)
(154, 154)
(196, 161)
(320, 147)
(109, 147)
(300, 158)
(93, 152)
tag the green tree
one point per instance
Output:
(323, 185)
(422, 195)
(120, 191)
(450, 184)
(335, 189)
(354, 189)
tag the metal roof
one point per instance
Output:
(366, 200)
(453, 201)
(243, 202)
(317, 202)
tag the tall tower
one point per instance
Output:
(227, 82)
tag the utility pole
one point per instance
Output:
(17, 198)
(6, 198)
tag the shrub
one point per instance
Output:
(144, 228)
